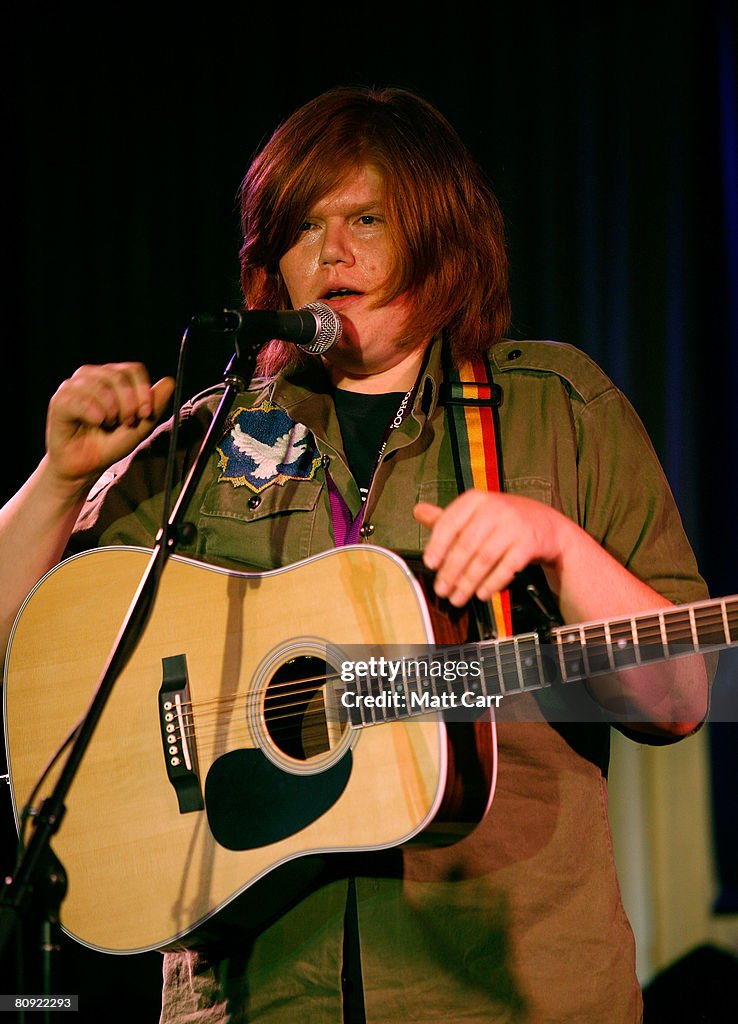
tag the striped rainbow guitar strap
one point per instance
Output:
(472, 402)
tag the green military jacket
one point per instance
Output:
(522, 919)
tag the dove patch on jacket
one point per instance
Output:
(263, 446)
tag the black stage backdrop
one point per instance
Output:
(609, 134)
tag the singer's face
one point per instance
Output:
(343, 257)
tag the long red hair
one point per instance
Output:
(445, 224)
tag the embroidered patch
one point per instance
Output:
(263, 446)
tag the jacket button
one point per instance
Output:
(514, 353)
(366, 531)
(255, 501)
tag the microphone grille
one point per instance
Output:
(330, 328)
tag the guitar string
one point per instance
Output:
(197, 713)
(568, 639)
(509, 651)
(505, 652)
(508, 654)
(567, 644)
(298, 718)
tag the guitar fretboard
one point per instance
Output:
(478, 675)
(594, 648)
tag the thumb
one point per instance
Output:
(426, 513)
(161, 392)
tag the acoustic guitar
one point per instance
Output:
(267, 717)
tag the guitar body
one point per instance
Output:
(192, 788)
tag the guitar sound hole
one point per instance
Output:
(302, 716)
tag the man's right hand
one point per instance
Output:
(98, 416)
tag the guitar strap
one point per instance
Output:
(472, 401)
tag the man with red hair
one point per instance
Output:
(368, 201)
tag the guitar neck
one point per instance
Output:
(480, 674)
(594, 648)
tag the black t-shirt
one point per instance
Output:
(363, 420)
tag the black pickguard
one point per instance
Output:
(251, 802)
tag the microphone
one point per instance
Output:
(314, 328)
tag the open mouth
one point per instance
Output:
(339, 293)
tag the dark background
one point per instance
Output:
(609, 134)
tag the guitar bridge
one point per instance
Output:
(178, 734)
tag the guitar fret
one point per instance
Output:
(518, 663)
(530, 663)
(499, 649)
(571, 653)
(598, 652)
(370, 708)
(539, 663)
(475, 686)
(693, 630)
(625, 651)
(677, 640)
(357, 711)
(584, 663)
(389, 711)
(733, 620)
(370, 715)
(608, 646)
(664, 641)
(647, 628)
(414, 683)
(374, 688)
(636, 643)
(449, 686)
(408, 686)
(500, 676)
(726, 625)
(426, 684)
(712, 632)
(511, 676)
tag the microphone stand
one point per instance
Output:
(39, 879)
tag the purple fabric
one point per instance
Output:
(345, 530)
